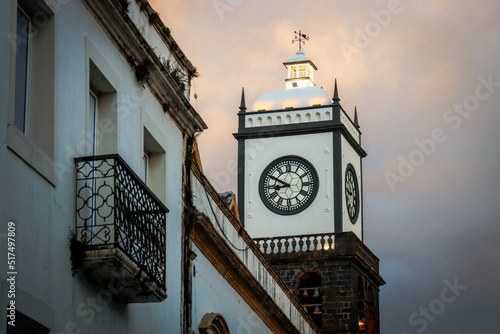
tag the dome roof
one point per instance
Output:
(299, 56)
(296, 97)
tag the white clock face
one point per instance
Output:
(351, 193)
(288, 185)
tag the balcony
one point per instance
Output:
(120, 230)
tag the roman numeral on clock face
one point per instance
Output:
(288, 185)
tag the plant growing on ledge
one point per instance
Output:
(193, 73)
(124, 4)
(143, 5)
(178, 76)
(154, 18)
(142, 70)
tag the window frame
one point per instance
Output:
(146, 159)
(26, 71)
(93, 116)
(31, 132)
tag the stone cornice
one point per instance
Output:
(165, 35)
(133, 46)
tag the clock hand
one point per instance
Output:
(278, 186)
(284, 183)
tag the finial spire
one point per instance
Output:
(356, 123)
(336, 98)
(300, 38)
(243, 107)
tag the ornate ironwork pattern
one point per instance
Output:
(115, 209)
(296, 243)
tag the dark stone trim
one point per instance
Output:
(337, 182)
(241, 121)
(241, 180)
(242, 112)
(299, 129)
(361, 197)
(299, 79)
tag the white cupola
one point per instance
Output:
(300, 90)
(300, 71)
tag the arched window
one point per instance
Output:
(366, 307)
(309, 294)
(213, 323)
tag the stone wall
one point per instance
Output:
(340, 270)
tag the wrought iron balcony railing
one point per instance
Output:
(296, 243)
(116, 210)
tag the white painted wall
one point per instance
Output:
(288, 117)
(344, 119)
(212, 293)
(44, 214)
(318, 217)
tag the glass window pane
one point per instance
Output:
(92, 136)
(22, 64)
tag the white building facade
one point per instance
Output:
(95, 123)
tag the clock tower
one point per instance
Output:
(299, 160)
(300, 197)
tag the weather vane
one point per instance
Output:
(301, 38)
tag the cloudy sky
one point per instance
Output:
(425, 77)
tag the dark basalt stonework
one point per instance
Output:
(349, 281)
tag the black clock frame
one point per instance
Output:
(351, 169)
(314, 184)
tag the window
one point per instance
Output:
(366, 307)
(22, 70)
(102, 116)
(213, 323)
(145, 162)
(154, 162)
(371, 311)
(310, 297)
(30, 130)
(93, 121)
(302, 71)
